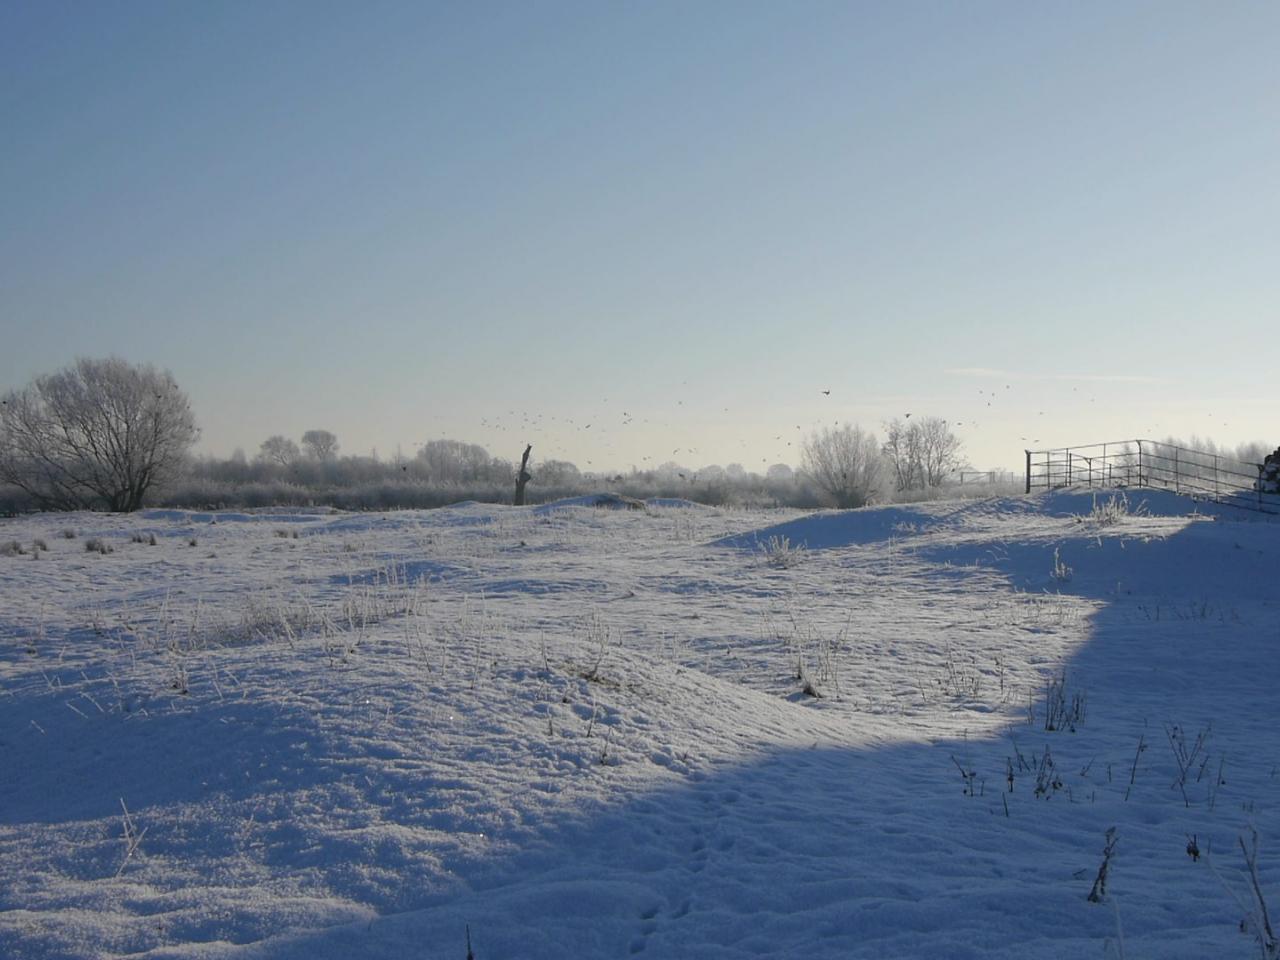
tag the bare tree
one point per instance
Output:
(921, 453)
(320, 444)
(280, 450)
(452, 461)
(100, 433)
(902, 451)
(940, 453)
(845, 463)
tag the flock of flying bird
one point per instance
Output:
(525, 424)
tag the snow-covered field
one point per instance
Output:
(579, 732)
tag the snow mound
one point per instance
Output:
(266, 514)
(1080, 502)
(608, 501)
(845, 528)
(842, 528)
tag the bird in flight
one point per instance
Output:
(826, 393)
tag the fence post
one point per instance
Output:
(1140, 484)
(1177, 475)
(1028, 453)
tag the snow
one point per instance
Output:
(609, 501)
(584, 732)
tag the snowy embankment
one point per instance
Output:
(680, 732)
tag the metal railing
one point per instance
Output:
(988, 477)
(1151, 464)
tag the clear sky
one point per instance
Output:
(676, 222)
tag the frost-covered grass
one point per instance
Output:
(896, 732)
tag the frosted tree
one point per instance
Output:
(99, 434)
(451, 461)
(320, 444)
(940, 453)
(921, 453)
(845, 464)
(279, 450)
(902, 453)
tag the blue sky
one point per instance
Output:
(678, 223)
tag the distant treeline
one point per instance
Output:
(361, 483)
(448, 471)
(284, 474)
(1244, 453)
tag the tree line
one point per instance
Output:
(109, 435)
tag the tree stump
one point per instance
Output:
(523, 476)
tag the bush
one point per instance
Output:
(846, 464)
(780, 552)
